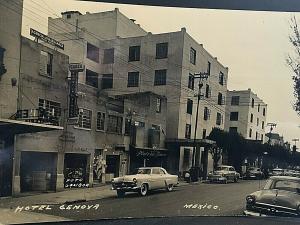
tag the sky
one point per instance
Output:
(254, 45)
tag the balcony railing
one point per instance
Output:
(37, 116)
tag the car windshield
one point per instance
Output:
(284, 185)
(143, 171)
(222, 168)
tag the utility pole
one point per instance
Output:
(201, 76)
(271, 125)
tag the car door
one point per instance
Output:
(231, 173)
(155, 178)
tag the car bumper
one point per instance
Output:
(217, 178)
(251, 213)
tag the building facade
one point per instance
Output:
(246, 114)
(93, 149)
(164, 64)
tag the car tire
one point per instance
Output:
(236, 180)
(170, 187)
(225, 181)
(120, 193)
(144, 189)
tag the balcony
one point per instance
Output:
(40, 115)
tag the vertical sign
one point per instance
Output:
(74, 68)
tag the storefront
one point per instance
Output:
(10, 159)
(38, 171)
(76, 170)
(144, 157)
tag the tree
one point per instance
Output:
(294, 61)
(216, 154)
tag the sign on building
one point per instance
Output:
(39, 36)
(76, 67)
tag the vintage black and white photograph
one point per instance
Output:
(131, 111)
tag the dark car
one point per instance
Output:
(254, 173)
(280, 197)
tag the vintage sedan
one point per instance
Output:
(144, 180)
(224, 174)
(279, 197)
(254, 173)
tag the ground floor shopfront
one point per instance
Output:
(182, 152)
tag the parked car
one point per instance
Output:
(254, 173)
(277, 172)
(292, 173)
(144, 180)
(279, 197)
(224, 174)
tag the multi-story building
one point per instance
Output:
(246, 114)
(165, 64)
(106, 128)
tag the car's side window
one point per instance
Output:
(161, 172)
(155, 171)
(231, 169)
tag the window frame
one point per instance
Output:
(136, 55)
(119, 120)
(160, 77)
(108, 81)
(193, 56)
(91, 117)
(164, 47)
(189, 106)
(92, 80)
(94, 48)
(231, 118)
(188, 131)
(135, 78)
(235, 100)
(97, 120)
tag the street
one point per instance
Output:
(203, 199)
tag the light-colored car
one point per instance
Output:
(277, 172)
(280, 197)
(224, 174)
(254, 173)
(144, 180)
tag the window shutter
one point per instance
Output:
(43, 63)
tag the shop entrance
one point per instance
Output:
(113, 165)
(76, 170)
(38, 171)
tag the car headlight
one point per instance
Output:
(134, 180)
(250, 199)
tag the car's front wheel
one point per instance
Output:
(120, 193)
(144, 190)
(170, 187)
(236, 179)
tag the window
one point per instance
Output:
(257, 122)
(115, 124)
(188, 131)
(107, 81)
(127, 126)
(155, 127)
(206, 113)
(158, 105)
(51, 108)
(234, 116)
(204, 134)
(161, 50)
(250, 133)
(221, 78)
(68, 16)
(220, 99)
(208, 68)
(256, 135)
(91, 78)
(193, 56)
(133, 79)
(207, 91)
(233, 129)
(258, 107)
(263, 125)
(3, 70)
(155, 171)
(262, 137)
(189, 106)
(161, 172)
(252, 103)
(92, 52)
(84, 118)
(235, 100)
(251, 118)
(191, 81)
(46, 61)
(219, 119)
(134, 53)
(264, 111)
(100, 120)
(108, 56)
(160, 77)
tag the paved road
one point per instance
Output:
(194, 199)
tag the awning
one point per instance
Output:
(12, 127)
(190, 142)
